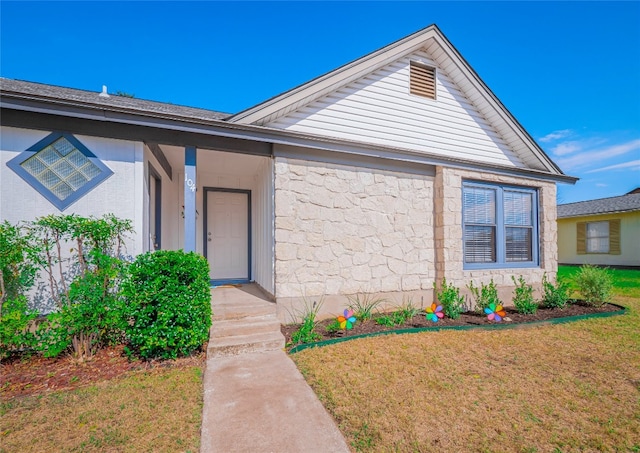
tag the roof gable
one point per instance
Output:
(379, 108)
(517, 147)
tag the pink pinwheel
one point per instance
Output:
(347, 320)
(495, 312)
(434, 313)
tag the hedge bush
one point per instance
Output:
(167, 304)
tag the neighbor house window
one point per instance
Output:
(499, 225)
(422, 80)
(599, 237)
(61, 168)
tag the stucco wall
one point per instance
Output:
(122, 194)
(629, 241)
(342, 230)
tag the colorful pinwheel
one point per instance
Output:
(495, 312)
(434, 313)
(347, 320)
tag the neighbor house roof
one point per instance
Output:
(623, 203)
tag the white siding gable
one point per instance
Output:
(378, 109)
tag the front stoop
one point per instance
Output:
(243, 322)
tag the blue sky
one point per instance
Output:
(568, 71)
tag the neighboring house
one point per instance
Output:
(382, 176)
(604, 231)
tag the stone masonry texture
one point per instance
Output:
(344, 230)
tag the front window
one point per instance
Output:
(499, 225)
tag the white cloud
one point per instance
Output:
(601, 185)
(597, 156)
(566, 148)
(633, 165)
(556, 135)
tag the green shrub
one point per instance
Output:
(485, 295)
(363, 306)
(18, 268)
(84, 285)
(523, 297)
(167, 304)
(450, 299)
(554, 296)
(595, 284)
(15, 321)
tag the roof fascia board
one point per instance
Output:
(337, 77)
(228, 136)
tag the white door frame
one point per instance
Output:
(205, 226)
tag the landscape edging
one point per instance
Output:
(496, 326)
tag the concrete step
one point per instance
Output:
(230, 311)
(241, 344)
(245, 326)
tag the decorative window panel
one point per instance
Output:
(60, 168)
(422, 80)
(499, 226)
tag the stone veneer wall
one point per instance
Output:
(448, 232)
(342, 230)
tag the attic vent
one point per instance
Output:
(422, 80)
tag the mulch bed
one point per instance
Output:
(466, 319)
(24, 375)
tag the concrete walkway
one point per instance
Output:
(255, 399)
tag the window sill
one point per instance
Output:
(492, 266)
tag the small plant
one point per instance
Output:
(450, 298)
(407, 309)
(364, 306)
(404, 313)
(396, 318)
(306, 332)
(554, 296)
(595, 284)
(333, 327)
(523, 297)
(485, 295)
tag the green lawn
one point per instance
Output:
(557, 388)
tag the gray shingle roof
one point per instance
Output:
(42, 91)
(623, 203)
